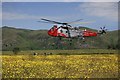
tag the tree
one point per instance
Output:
(16, 50)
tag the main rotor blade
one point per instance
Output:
(75, 21)
(51, 21)
(42, 21)
(81, 23)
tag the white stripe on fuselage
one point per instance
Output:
(73, 33)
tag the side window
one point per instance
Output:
(61, 31)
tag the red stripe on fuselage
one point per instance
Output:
(89, 34)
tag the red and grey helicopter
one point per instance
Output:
(67, 31)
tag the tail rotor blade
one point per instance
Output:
(101, 28)
(104, 27)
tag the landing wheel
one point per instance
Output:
(83, 40)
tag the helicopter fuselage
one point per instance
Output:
(69, 32)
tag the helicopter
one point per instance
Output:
(68, 31)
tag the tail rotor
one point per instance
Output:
(103, 30)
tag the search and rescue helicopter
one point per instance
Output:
(67, 31)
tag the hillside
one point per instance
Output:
(39, 39)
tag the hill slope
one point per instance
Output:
(39, 39)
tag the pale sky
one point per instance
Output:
(60, 0)
(26, 14)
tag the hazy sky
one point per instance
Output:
(60, 0)
(26, 14)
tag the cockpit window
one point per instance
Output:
(52, 29)
(55, 26)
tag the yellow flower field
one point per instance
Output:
(60, 66)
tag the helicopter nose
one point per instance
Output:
(50, 33)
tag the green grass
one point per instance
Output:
(40, 40)
(64, 52)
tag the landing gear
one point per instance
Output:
(82, 38)
(70, 42)
(58, 43)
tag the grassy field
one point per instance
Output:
(60, 66)
(64, 52)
